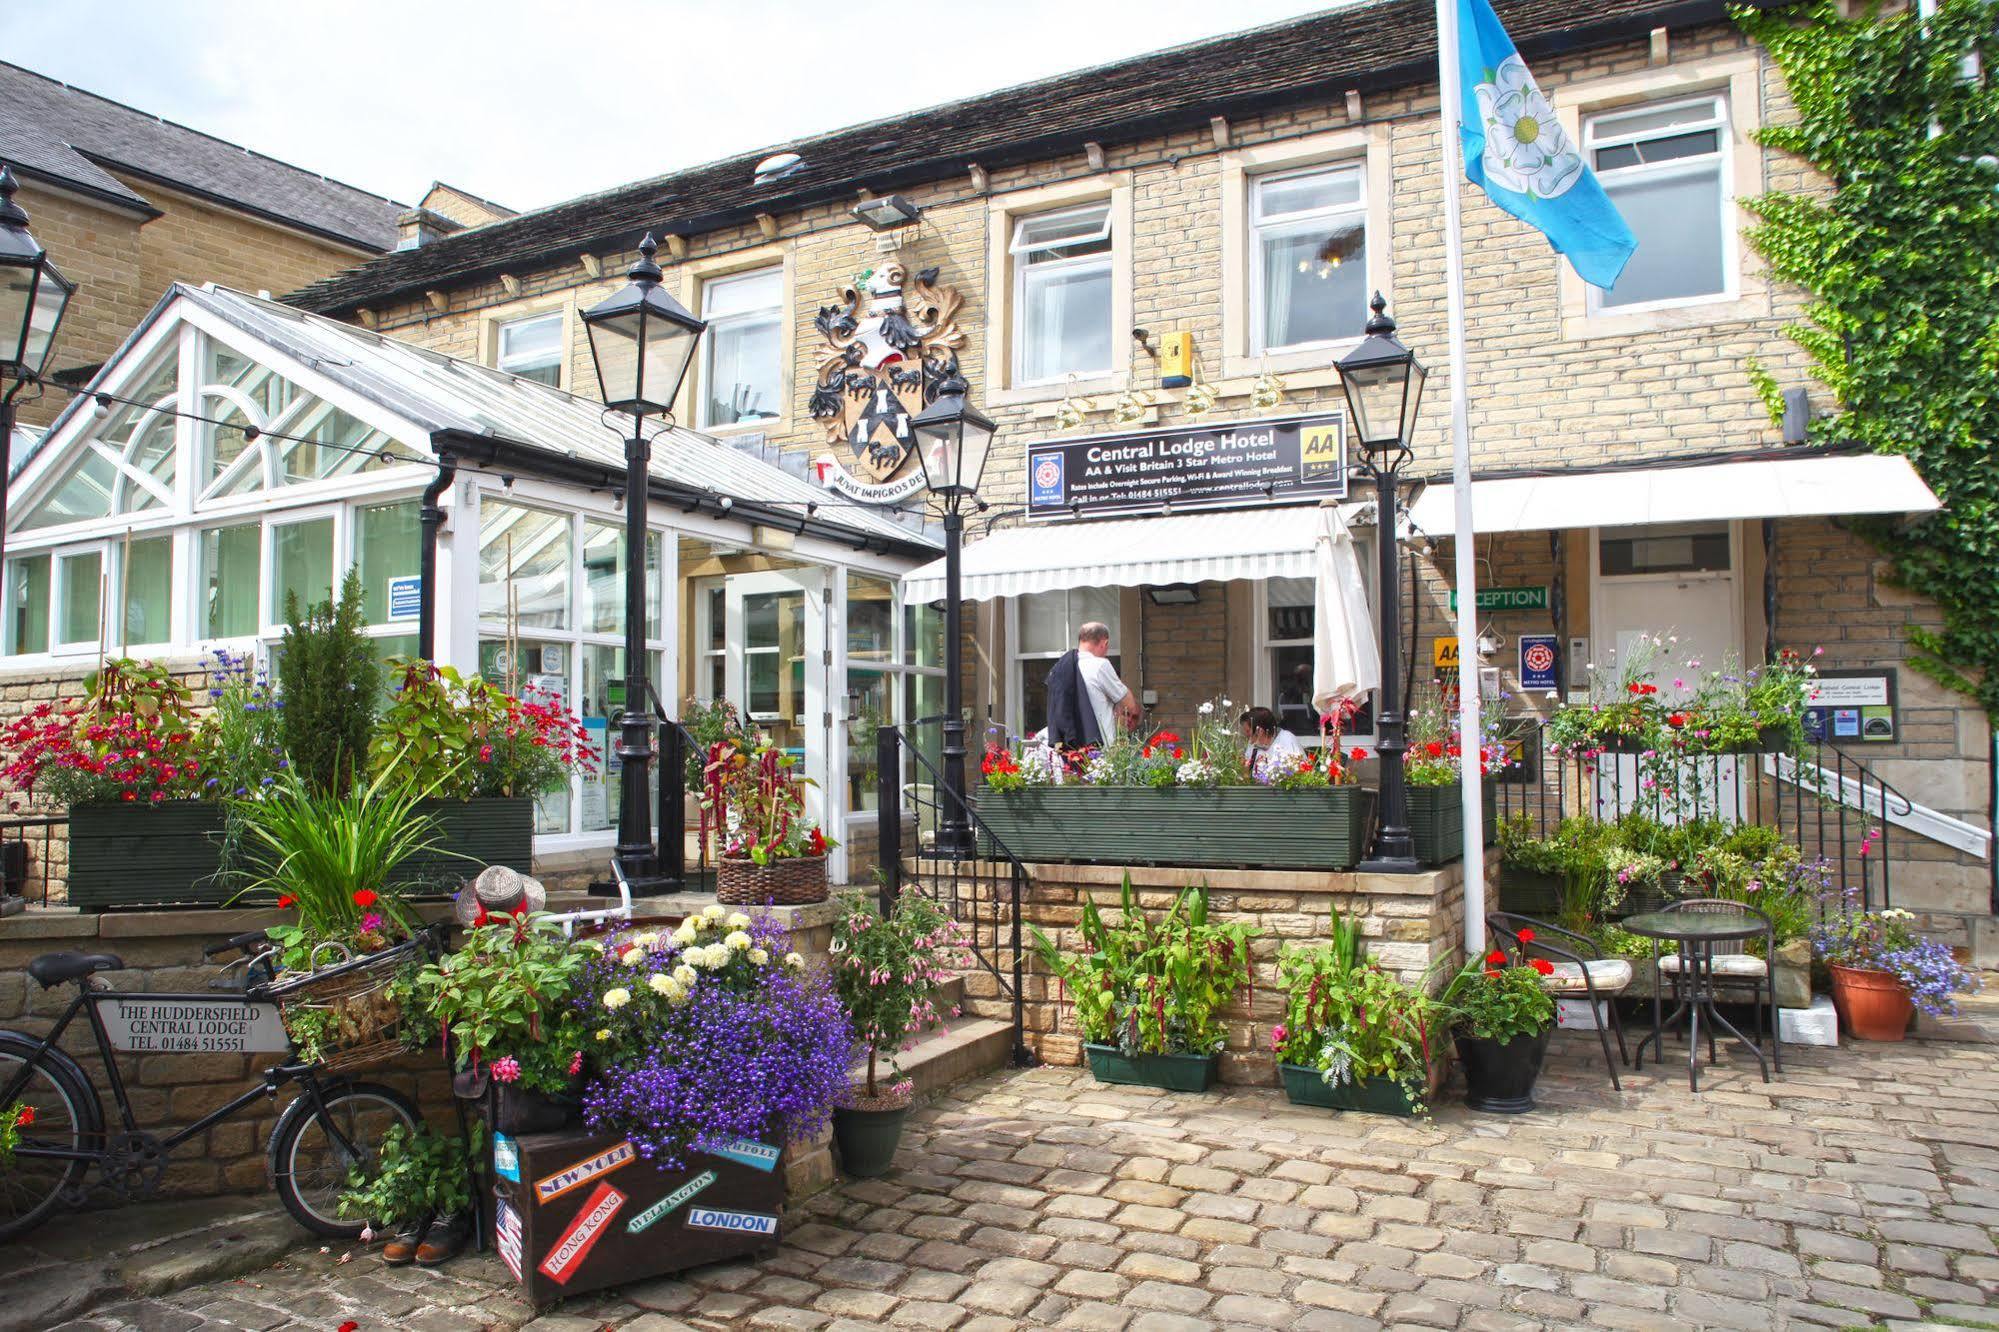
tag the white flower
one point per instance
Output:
(760, 956)
(713, 912)
(736, 921)
(795, 960)
(659, 982)
(718, 956)
(646, 940)
(617, 998)
(686, 975)
(684, 936)
(1205, 709)
(737, 940)
(633, 956)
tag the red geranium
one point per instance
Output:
(1526, 935)
(366, 897)
(1542, 965)
(285, 900)
(1495, 958)
(26, 1117)
(1434, 749)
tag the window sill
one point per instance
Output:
(1580, 327)
(1115, 382)
(769, 425)
(1289, 360)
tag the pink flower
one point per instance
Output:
(507, 1069)
(576, 1063)
(371, 922)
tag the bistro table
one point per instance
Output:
(1696, 933)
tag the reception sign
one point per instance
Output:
(1279, 460)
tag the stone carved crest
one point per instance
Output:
(890, 343)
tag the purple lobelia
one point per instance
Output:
(708, 1034)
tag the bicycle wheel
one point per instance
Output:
(309, 1163)
(67, 1116)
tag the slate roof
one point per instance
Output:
(1386, 44)
(69, 136)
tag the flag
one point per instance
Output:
(1518, 153)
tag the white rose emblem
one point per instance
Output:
(1526, 148)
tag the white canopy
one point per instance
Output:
(1813, 486)
(1177, 548)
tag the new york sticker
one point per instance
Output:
(575, 1177)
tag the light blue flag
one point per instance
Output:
(1519, 154)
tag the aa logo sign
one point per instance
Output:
(1322, 450)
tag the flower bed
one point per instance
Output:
(1323, 828)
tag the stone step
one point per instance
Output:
(961, 1049)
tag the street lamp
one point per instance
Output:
(952, 441)
(33, 296)
(641, 341)
(1383, 382)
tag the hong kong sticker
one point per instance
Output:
(583, 1234)
(506, 1158)
(576, 1176)
(748, 1223)
(507, 1227)
(670, 1201)
(742, 1150)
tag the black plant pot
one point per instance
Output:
(516, 1110)
(1500, 1075)
(867, 1139)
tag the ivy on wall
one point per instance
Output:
(1901, 262)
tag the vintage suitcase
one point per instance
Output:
(577, 1211)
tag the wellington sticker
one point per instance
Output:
(507, 1229)
(562, 1181)
(670, 1201)
(745, 1223)
(745, 1152)
(506, 1158)
(582, 1234)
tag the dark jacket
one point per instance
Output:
(1072, 722)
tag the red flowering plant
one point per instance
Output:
(752, 791)
(13, 1118)
(468, 739)
(1435, 756)
(1496, 997)
(134, 738)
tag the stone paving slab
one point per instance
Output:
(1861, 1189)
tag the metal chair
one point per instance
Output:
(1582, 970)
(1732, 964)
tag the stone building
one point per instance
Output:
(1176, 248)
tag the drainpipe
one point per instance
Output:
(431, 517)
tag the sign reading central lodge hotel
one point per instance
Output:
(1266, 461)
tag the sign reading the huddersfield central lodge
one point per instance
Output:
(1278, 460)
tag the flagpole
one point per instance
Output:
(1449, 100)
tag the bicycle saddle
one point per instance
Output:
(53, 969)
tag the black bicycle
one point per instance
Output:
(331, 1126)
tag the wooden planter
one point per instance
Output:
(1248, 826)
(146, 855)
(1437, 823)
(794, 881)
(1168, 1072)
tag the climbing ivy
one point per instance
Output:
(1901, 262)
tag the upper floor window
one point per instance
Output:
(532, 348)
(1664, 168)
(1308, 257)
(1062, 295)
(742, 378)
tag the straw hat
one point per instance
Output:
(501, 891)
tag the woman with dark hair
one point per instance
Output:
(1268, 741)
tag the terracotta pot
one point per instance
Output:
(1872, 1005)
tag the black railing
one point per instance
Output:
(27, 846)
(676, 742)
(1823, 800)
(985, 894)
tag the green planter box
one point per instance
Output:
(1527, 892)
(496, 830)
(1169, 1072)
(1372, 1096)
(146, 855)
(1248, 826)
(1437, 823)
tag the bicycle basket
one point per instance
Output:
(341, 1016)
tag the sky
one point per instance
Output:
(528, 102)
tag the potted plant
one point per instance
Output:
(421, 1190)
(1500, 1017)
(1147, 997)
(886, 969)
(708, 723)
(1432, 765)
(1883, 973)
(1353, 1036)
(771, 852)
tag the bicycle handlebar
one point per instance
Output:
(241, 943)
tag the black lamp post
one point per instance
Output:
(952, 441)
(33, 296)
(1383, 382)
(641, 341)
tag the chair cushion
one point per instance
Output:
(1609, 975)
(1740, 966)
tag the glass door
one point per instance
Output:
(776, 666)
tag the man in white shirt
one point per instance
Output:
(1110, 699)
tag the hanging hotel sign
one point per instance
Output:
(889, 343)
(1282, 460)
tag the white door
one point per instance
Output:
(777, 667)
(1678, 584)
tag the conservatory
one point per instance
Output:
(236, 453)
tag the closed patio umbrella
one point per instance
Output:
(1346, 662)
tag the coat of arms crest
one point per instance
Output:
(891, 343)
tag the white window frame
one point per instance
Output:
(59, 591)
(773, 314)
(503, 327)
(1019, 248)
(898, 673)
(1016, 694)
(10, 604)
(1720, 162)
(1261, 227)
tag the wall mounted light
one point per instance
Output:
(887, 213)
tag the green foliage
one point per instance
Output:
(1351, 1020)
(331, 682)
(1152, 989)
(464, 739)
(1495, 999)
(886, 969)
(506, 993)
(1902, 265)
(416, 1175)
(13, 1118)
(711, 722)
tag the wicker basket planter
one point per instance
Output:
(345, 1008)
(1249, 826)
(794, 881)
(1437, 823)
(146, 855)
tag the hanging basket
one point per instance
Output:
(344, 1008)
(793, 881)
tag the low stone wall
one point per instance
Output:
(1414, 925)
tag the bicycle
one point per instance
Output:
(333, 1125)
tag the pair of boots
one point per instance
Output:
(430, 1241)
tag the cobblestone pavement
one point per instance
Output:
(1860, 1189)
